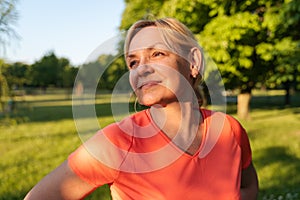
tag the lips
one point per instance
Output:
(147, 84)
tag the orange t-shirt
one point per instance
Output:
(139, 161)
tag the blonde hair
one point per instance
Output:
(176, 36)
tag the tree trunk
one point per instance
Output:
(243, 105)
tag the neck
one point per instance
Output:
(179, 121)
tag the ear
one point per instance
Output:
(195, 61)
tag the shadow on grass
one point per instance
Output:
(61, 112)
(273, 102)
(264, 102)
(282, 184)
(48, 110)
(102, 193)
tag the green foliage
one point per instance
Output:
(48, 71)
(103, 73)
(230, 41)
(282, 48)
(15, 74)
(115, 73)
(251, 41)
(290, 15)
(195, 14)
(8, 18)
(68, 76)
(139, 9)
(89, 74)
(51, 71)
(4, 90)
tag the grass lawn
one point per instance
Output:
(42, 133)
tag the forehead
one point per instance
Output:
(148, 37)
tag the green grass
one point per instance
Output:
(42, 133)
(275, 140)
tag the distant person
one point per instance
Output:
(174, 149)
(79, 89)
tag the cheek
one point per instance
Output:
(133, 79)
(172, 78)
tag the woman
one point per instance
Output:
(173, 150)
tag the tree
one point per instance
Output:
(68, 76)
(103, 73)
(283, 46)
(113, 73)
(89, 74)
(48, 71)
(194, 14)
(253, 42)
(8, 18)
(231, 41)
(3, 87)
(249, 40)
(15, 74)
(139, 9)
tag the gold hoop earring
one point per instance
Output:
(135, 104)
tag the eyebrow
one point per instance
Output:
(132, 55)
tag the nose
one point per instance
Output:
(144, 68)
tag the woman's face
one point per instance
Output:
(157, 75)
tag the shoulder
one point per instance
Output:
(125, 129)
(140, 119)
(226, 128)
(225, 122)
(216, 117)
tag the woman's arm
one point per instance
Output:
(62, 183)
(249, 183)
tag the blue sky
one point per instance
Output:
(72, 29)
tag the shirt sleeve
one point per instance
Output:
(97, 160)
(89, 169)
(243, 141)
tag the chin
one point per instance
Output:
(148, 101)
(151, 102)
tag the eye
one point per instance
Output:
(158, 53)
(133, 64)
